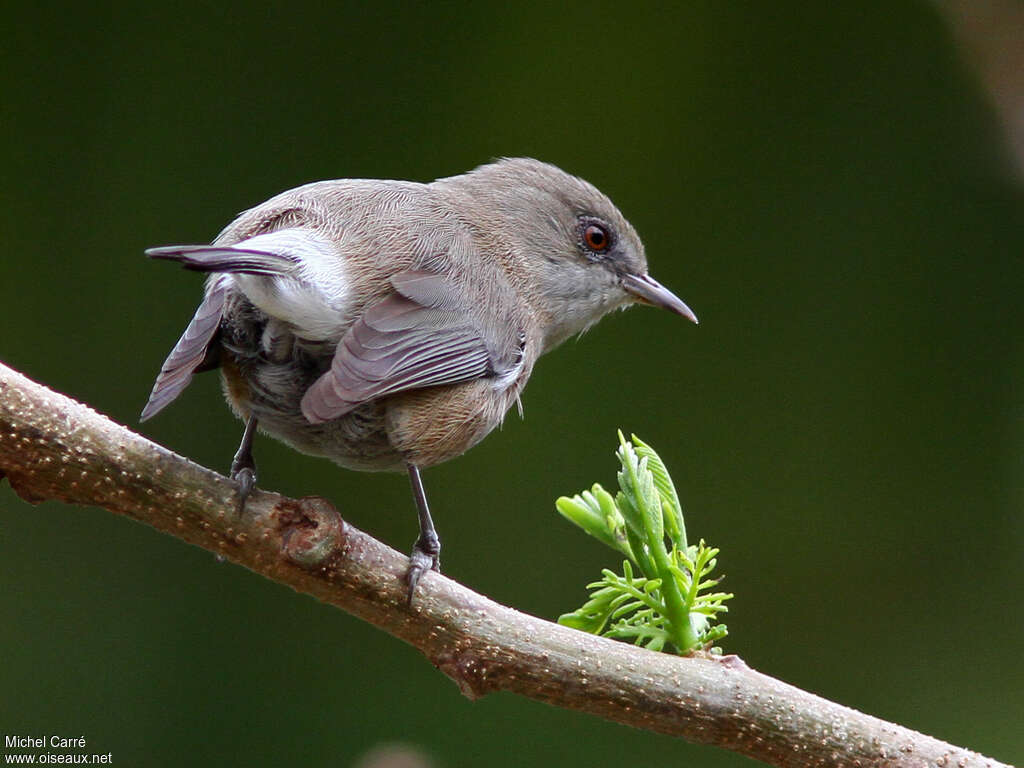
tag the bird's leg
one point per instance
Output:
(426, 552)
(243, 466)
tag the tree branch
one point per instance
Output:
(52, 447)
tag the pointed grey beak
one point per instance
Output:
(649, 291)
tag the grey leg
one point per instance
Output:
(243, 466)
(426, 552)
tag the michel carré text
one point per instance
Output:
(42, 742)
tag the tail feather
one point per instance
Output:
(189, 353)
(224, 258)
(276, 260)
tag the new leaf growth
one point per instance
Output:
(668, 606)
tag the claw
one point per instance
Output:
(420, 561)
(246, 479)
(426, 552)
(243, 466)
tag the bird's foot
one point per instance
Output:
(426, 556)
(243, 466)
(245, 476)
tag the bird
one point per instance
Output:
(390, 325)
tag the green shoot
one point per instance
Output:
(668, 606)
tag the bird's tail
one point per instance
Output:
(268, 267)
(224, 258)
(194, 352)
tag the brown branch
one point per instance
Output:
(52, 447)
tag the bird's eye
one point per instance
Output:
(596, 237)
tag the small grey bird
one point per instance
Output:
(390, 325)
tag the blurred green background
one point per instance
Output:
(825, 184)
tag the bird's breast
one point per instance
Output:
(433, 425)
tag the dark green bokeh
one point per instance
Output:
(823, 183)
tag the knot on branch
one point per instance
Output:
(311, 530)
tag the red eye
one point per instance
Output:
(595, 237)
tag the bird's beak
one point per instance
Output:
(647, 290)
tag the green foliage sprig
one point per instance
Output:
(668, 606)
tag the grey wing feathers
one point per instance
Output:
(420, 336)
(221, 258)
(189, 353)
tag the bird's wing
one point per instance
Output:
(420, 336)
